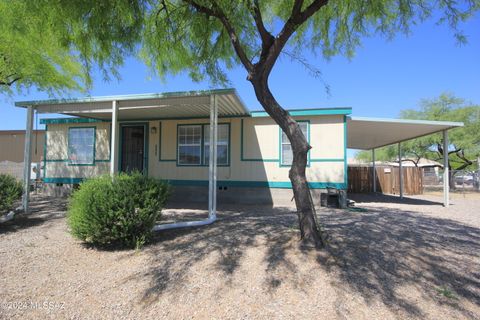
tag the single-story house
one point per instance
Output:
(167, 136)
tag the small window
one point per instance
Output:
(81, 145)
(189, 145)
(286, 156)
(222, 144)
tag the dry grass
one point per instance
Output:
(394, 260)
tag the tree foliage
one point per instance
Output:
(33, 53)
(464, 142)
(196, 36)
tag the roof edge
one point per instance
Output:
(126, 97)
(412, 121)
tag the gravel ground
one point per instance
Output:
(387, 260)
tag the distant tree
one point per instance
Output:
(207, 37)
(31, 53)
(464, 142)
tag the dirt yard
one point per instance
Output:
(386, 260)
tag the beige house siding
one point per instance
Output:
(12, 145)
(57, 164)
(259, 165)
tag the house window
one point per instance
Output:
(81, 145)
(195, 139)
(286, 156)
(189, 145)
(222, 144)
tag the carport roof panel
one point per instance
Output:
(145, 106)
(369, 133)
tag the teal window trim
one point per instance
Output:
(94, 146)
(145, 142)
(242, 158)
(280, 145)
(202, 145)
(307, 112)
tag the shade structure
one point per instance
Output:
(171, 105)
(370, 133)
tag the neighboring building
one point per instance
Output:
(12, 145)
(12, 148)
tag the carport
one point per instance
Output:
(372, 133)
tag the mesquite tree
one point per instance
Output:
(207, 37)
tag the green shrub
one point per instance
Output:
(120, 211)
(10, 191)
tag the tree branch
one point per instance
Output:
(267, 37)
(9, 83)
(297, 18)
(218, 13)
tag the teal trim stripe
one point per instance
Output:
(240, 184)
(328, 160)
(308, 112)
(257, 184)
(63, 180)
(70, 120)
(66, 160)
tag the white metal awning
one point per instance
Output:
(370, 133)
(188, 104)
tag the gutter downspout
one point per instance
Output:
(9, 216)
(212, 177)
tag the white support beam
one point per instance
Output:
(212, 168)
(374, 172)
(27, 160)
(446, 182)
(400, 169)
(114, 139)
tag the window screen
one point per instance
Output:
(286, 148)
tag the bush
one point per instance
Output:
(10, 191)
(120, 211)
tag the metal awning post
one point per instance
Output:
(446, 182)
(374, 172)
(114, 139)
(27, 160)
(212, 164)
(400, 169)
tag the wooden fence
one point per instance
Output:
(360, 180)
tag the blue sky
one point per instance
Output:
(383, 78)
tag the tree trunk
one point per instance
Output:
(310, 233)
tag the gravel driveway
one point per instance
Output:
(387, 260)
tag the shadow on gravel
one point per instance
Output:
(374, 253)
(381, 250)
(386, 198)
(42, 210)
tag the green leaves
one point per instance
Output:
(121, 211)
(54, 44)
(31, 53)
(10, 191)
